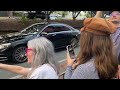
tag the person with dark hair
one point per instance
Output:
(95, 59)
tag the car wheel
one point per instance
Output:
(19, 54)
(74, 42)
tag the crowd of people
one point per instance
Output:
(98, 57)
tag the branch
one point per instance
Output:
(77, 14)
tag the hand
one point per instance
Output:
(69, 60)
(74, 65)
(99, 14)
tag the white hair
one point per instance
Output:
(44, 53)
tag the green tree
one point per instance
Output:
(63, 13)
(88, 14)
(75, 14)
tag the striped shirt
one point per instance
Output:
(83, 71)
(116, 41)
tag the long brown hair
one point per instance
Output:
(98, 47)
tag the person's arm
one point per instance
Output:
(15, 69)
(116, 42)
(68, 72)
(70, 64)
(116, 45)
(99, 14)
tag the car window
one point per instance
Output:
(65, 28)
(33, 29)
(61, 28)
(49, 29)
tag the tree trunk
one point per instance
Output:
(73, 14)
(47, 16)
(74, 18)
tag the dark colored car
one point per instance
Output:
(13, 45)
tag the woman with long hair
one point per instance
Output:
(41, 57)
(95, 59)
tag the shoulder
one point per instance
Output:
(116, 35)
(86, 71)
(45, 68)
(45, 72)
(88, 66)
(118, 30)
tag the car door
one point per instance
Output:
(63, 34)
(59, 34)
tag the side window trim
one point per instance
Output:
(47, 27)
(70, 28)
(62, 25)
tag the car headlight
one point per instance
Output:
(2, 46)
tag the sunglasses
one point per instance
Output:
(28, 49)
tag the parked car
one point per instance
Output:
(13, 45)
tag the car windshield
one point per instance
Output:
(34, 29)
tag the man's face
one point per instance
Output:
(115, 16)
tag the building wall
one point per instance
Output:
(6, 13)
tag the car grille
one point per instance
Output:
(3, 57)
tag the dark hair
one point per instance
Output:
(99, 47)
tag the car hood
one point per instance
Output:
(8, 38)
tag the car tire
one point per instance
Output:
(74, 42)
(19, 54)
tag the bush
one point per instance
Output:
(17, 14)
(24, 19)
